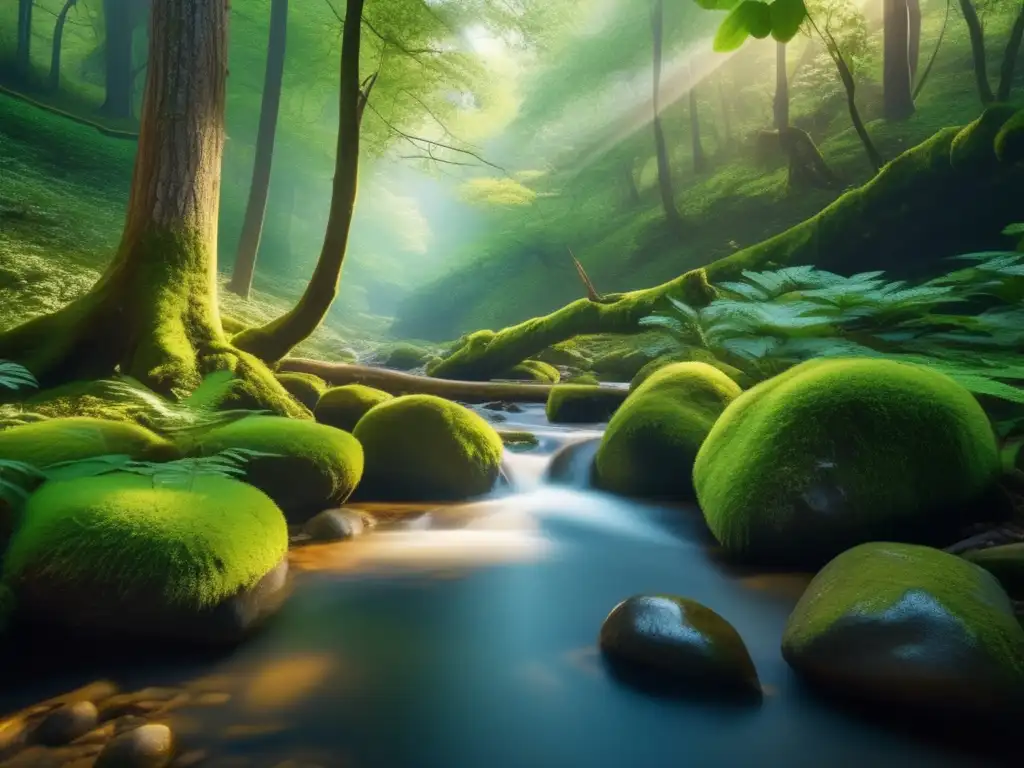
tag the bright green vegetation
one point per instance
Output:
(533, 370)
(309, 467)
(53, 441)
(852, 628)
(687, 355)
(405, 357)
(833, 453)
(582, 403)
(1006, 563)
(518, 440)
(343, 407)
(304, 387)
(122, 537)
(652, 440)
(420, 447)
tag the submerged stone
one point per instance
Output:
(679, 639)
(334, 525)
(148, 746)
(64, 725)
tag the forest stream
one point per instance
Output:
(466, 636)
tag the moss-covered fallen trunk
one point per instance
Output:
(952, 194)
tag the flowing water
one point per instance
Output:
(465, 636)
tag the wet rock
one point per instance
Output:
(573, 464)
(149, 746)
(67, 723)
(674, 639)
(1006, 563)
(582, 404)
(502, 405)
(497, 418)
(910, 626)
(335, 525)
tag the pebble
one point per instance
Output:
(335, 525)
(148, 746)
(67, 723)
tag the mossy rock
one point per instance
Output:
(53, 441)
(304, 387)
(583, 404)
(343, 407)
(563, 354)
(533, 370)
(1010, 139)
(652, 441)
(910, 626)
(518, 440)
(977, 146)
(1006, 563)
(833, 453)
(584, 378)
(692, 355)
(405, 357)
(621, 365)
(424, 448)
(312, 467)
(119, 554)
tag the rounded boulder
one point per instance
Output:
(343, 407)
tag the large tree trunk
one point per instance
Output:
(153, 313)
(977, 36)
(1010, 58)
(58, 39)
(118, 24)
(897, 80)
(273, 341)
(781, 103)
(914, 36)
(668, 197)
(23, 53)
(252, 228)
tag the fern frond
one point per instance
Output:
(15, 376)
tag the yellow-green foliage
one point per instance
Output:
(304, 387)
(564, 354)
(871, 604)
(491, 191)
(405, 357)
(652, 440)
(53, 441)
(518, 439)
(1010, 140)
(343, 407)
(533, 370)
(585, 378)
(1006, 563)
(313, 466)
(583, 404)
(420, 447)
(833, 453)
(119, 536)
(975, 146)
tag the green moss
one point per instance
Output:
(533, 370)
(304, 387)
(1006, 563)
(691, 355)
(564, 354)
(585, 379)
(651, 442)
(974, 147)
(832, 453)
(518, 439)
(583, 404)
(119, 536)
(909, 624)
(343, 407)
(53, 441)
(423, 448)
(1010, 139)
(405, 357)
(313, 466)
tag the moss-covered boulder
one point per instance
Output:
(1006, 563)
(651, 442)
(564, 354)
(532, 370)
(833, 453)
(304, 387)
(423, 448)
(309, 467)
(911, 626)
(1010, 139)
(583, 404)
(621, 365)
(44, 443)
(584, 378)
(119, 554)
(343, 407)
(405, 357)
(692, 355)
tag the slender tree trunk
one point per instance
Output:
(850, 85)
(781, 103)
(58, 38)
(898, 102)
(919, 86)
(1010, 58)
(273, 341)
(977, 36)
(23, 54)
(726, 122)
(700, 159)
(118, 24)
(252, 228)
(668, 197)
(914, 36)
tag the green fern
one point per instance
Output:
(14, 376)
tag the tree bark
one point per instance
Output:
(668, 197)
(851, 104)
(58, 38)
(898, 102)
(914, 36)
(919, 84)
(273, 341)
(252, 228)
(23, 53)
(700, 159)
(781, 103)
(977, 36)
(1010, 58)
(118, 26)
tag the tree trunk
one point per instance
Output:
(273, 341)
(977, 36)
(700, 160)
(252, 228)
(118, 25)
(781, 102)
(914, 36)
(919, 85)
(898, 102)
(23, 54)
(1010, 58)
(726, 122)
(668, 197)
(153, 313)
(58, 38)
(849, 84)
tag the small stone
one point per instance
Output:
(148, 746)
(66, 724)
(335, 525)
(679, 641)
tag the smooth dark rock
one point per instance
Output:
(501, 405)
(573, 464)
(149, 746)
(64, 725)
(334, 525)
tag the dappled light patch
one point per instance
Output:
(282, 683)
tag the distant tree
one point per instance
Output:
(118, 28)
(700, 159)
(58, 39)
(914, 36)
(668, 197)
(780, 104)
(897, 70)
(23, 52)
(976, 32)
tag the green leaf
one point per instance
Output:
(1014, 229)
(717, 5)
(759, 19)
(786, 18)
(735, 28)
